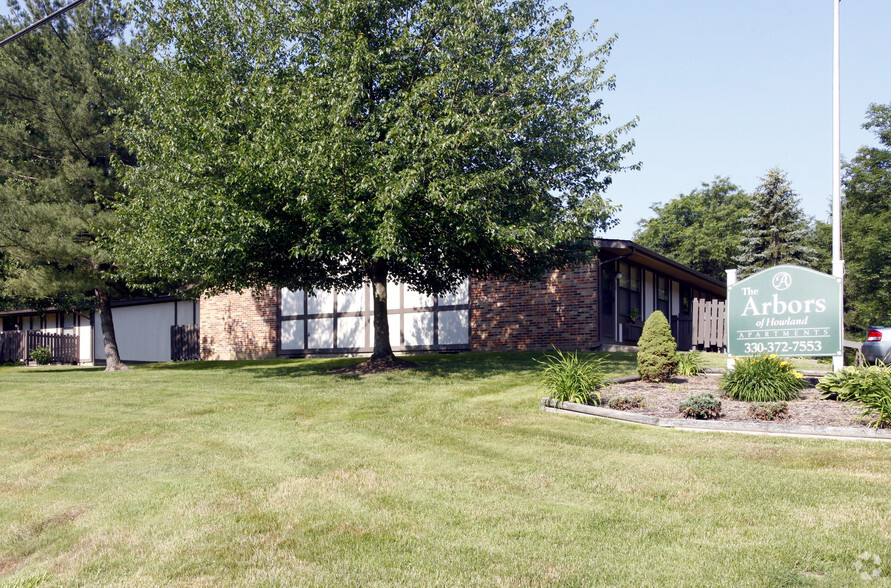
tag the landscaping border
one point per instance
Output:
(849, 433)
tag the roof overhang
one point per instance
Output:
(114, 304)
(631, 251)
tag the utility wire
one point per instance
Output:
(40, 22)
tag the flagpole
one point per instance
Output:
(838, 265)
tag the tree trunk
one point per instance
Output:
(112, 357)
(382, 349)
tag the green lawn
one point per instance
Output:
(276, 473)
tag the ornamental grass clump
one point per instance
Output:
(569, 377)
(690, 364)
(765, 378)
(657, 356)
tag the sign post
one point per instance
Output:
(785, 310)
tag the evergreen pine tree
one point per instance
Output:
(777, 230)
(57, 142)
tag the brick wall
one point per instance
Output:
(240, 326)
(559, 311)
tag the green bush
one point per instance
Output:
(657, 356)
(568, 377)
(768, 411)
(840, 385)
(868, 385)
(704, 405)
(690, 364)
(876, 401)
(41, 355)
(626, 402)
(765, 378)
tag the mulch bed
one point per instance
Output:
(662, 400)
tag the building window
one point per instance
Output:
(663, 286)
(686, 299)
(629, 291)
(608, 290)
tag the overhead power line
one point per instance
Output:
(41, 22)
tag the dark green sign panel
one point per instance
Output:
(786, 310)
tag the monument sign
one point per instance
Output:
(786, 310)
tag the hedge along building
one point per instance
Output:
(593, 306)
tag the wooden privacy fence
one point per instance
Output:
(184, 343)
(18, 345)
(709, 323)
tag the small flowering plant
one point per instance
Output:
(765, 378)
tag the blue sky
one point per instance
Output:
(733, 88)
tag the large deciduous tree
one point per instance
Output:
(702, 229)
(327, 144)
(866, 223)
(57, 139)
(776, 231)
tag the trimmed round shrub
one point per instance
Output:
(765, 378)
(42, 355)
(704, 405)
(657, 355)
(569, 377)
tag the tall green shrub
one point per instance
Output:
(657, 357)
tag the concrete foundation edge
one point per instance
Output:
(851, 433)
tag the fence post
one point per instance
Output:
(731, 280)
(695, 322)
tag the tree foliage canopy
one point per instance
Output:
(866, 226)
(56, 141)
(58, 136)
(701, 229)
(776, 231)
(326, 144)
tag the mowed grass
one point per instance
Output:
(277, 473)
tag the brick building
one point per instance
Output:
(599, 305)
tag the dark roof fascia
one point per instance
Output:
(631, 247)
(114, 304)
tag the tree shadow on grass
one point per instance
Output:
(265, 368)
(450, 366)
(460, 366)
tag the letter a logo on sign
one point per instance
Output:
(782, 280)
